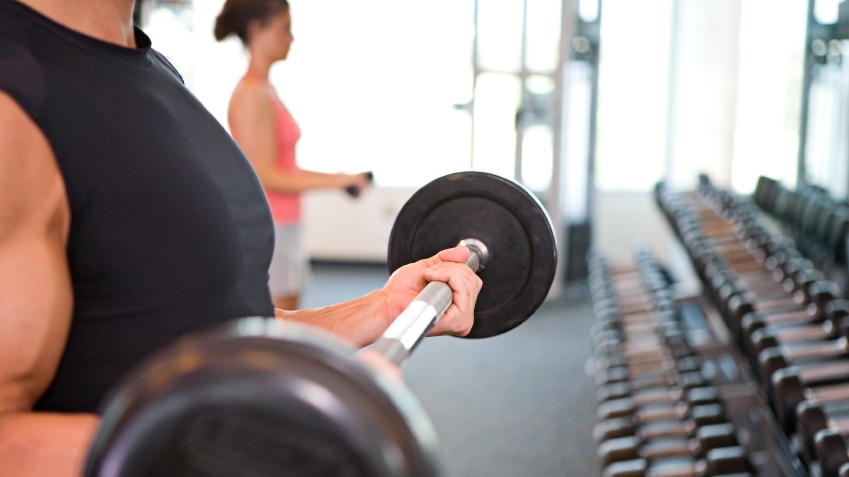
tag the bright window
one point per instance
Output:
(633, 90)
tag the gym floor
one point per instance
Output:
(518, 404)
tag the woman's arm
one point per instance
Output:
(252, 119)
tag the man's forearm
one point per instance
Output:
(360, 321)
(39, 444)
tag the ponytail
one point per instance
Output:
(237, 14)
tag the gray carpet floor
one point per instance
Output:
(518, 404)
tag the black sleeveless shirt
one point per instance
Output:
(170, 229)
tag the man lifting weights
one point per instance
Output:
(128, 218)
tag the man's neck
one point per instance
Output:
(107, 20)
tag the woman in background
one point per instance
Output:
(268, 135)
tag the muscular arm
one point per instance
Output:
(251, 113)
(35, 304)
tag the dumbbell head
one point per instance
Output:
(637, 402)
(762, 339)
(728, 461)
(722, 462)
(831, 452)
(787, 392)
(810, 419)
(770, 360)
(836, 311)
(821, 293)
(625, 388)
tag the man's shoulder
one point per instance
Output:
(21, 76)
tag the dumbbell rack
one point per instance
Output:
(638, 319)
(731, 243)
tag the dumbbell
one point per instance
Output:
(655, 362)
(764, 193)
(668, 340)
(779, 282)
(734, 299)
(826, 382)
(634, 291)
(790, 299)
(729, 247)
(260, 396)
(657, 403)
(831, 451)
(809, 354)
(794, 333)
(832, 327)
(704, 439)
(645, 356)
(811, 309)
(622, 417)
(813, 416)
(756, 238)
(725, 283)
(663, 340)
(632, 284)
(631, 337)
(651, 354)
(353, 190)
(719, 462)
(600, 281)
(698, 416)
(610, 315)
(814, 298)
(678, 372)
(626, 388)
(737, 258)
(745, 312)
(610, 324)
(612, 332)
(774, 250)
(741, 261)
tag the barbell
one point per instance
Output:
(265, 397)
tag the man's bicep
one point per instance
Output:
(35, 290)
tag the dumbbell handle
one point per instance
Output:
(407, 329)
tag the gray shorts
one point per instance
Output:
(289, 269)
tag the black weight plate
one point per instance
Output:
(262, 397)
(507, 218)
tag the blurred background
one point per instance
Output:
(588, 103)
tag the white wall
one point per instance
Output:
(703, 91)
(624, 220)
(338, 227)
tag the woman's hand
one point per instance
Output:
(354, 184)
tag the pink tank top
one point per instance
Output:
(285, 207)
